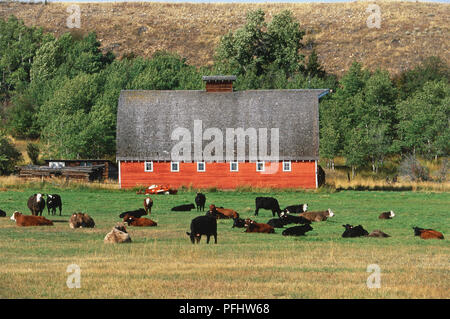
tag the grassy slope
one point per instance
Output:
(162, 263)
(409, 31)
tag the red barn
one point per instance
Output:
(219, 137)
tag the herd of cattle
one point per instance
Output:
(205, 224)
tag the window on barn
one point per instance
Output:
(287, 166)
(201, 167)
(148, 167)
(260, 166)
(234, 167)
(174, 166)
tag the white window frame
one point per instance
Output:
(263, 166)
(204, 167)
(145, 166)
(178, 166)
(290, 166)
(237, 167)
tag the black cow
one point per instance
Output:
(36, 204)
(238, 222)
(276, 222)
(269, 203)
(200, 201)
(297, 209)
(2, 213)
(183, 208)
(53, 202)
(354, 231)
(203, 225)
(297, 230)
(135, 213)
(291, 219)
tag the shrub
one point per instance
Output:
(33, 153)
(411, 168)
(9, 155)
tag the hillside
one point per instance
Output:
(409, 31)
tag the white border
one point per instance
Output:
(204, 167)
(263, 168)
(145, 166)
(178, 164)
(290, 166)
(237, 166)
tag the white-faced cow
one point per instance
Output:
(36, 204)
(53, 202)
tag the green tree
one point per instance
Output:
(9, 155)
(33, 153)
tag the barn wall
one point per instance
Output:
(302, 175)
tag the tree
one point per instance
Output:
(33, 152)
(9, 155)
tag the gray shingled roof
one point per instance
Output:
(146, 119)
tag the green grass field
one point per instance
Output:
(162, 263)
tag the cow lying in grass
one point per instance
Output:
(297, 209)
(222, 213)
(135, 213)
(427, 233)
(183, 208)
(26, 220)
(297, 230)
(387, 215)
(140, 222)
(203, 225)
(117, 235)
(318, 216)
(2, 213)
(254, 227)
(81, 220)
(238, 222)
(378, 234)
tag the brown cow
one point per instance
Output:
(80, 220)
(118, 235)
(378, 234)
(254, 227)
(141, 221)
(148, 203)
(220, 212)
(427, 233)
(387, 215)
(26, 220)
(318, 216)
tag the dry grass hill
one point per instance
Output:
(410, 31)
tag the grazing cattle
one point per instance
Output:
(220, 212)
(53, 202)
(117, 235)
(81, 220)
(269, 203)
(203, 225)
(297, 209)
(297, 230)
(183, 208)
(378, 233)
(276, 222)
(36, 204)
(238, 222)
(254, 227)
(135, 213)
(318, 216)
(351, 231)
(148, 203)
(387, 215)
(200, 201)
(141, 222)
(2, 213)
(427, 233)
(25, 220)
(291, 219)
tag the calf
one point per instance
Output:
(200, 201)
(269, 203)
(36, 204)
(220, 212)
(276, 222)
(203, 225)
(378, 233)
(2, 213)
(387, 215)
(53, 202)
(183, 208)
(135, 213)
(254, 227)
(24, 220)
(81, 220)
(357, 231)
(318, 216)
(291, 219)
(148, 203)
(297, 209)
(117, 235)
(141, 222)
(427, 233)
(238, 222)
(297, 230)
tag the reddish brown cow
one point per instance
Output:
(427, 233)
(26, 220)
(141, 221)
(222, 212)
(254, 227)
(148, 203)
